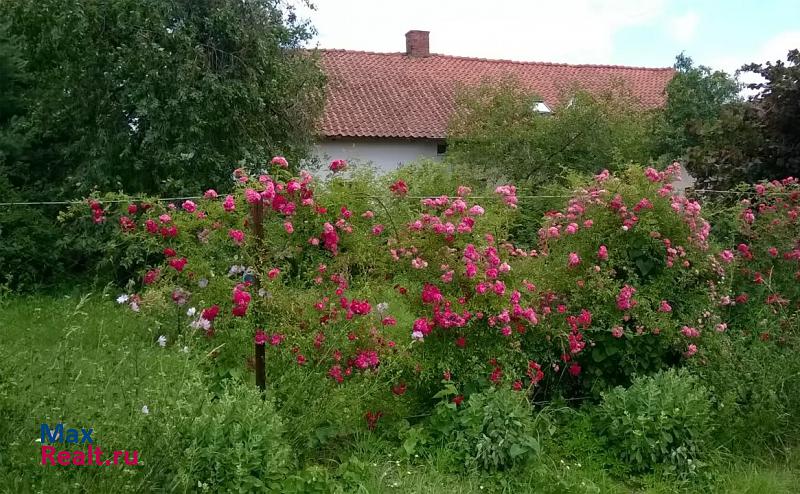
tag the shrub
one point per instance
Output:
(607, 266)
(765, 262)
(496, 131)
(235, 443)
(353, 285)
(495, 430)
(755, 390)
(26, 265)
(662, 421)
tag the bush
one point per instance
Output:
(659, 422)
(496, 131)
(235, 443)
(354, 286)
(26, 264)
(495, 430)
(764, 262)
(608, 264)
(755, 390)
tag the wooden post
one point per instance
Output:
(257, 227)
(257, 222)
(261, 371)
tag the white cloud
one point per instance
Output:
(775, 48)
(576, 31)
(778, 46)
(684, 27)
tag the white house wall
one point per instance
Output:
(384, 154)
(389, 154)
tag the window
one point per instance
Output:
(541, 107)
(441, 148)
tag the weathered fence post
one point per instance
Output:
(257, 227)
(261, 371)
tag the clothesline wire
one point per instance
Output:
(167, 199)
(101, 201)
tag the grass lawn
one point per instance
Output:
(88, 363)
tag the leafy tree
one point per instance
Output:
(755, 139)
(497, 131)
(729, 150)
(159, 96)
(695, 97)
(21, 231)
(778, 104)
(153, 96)
(490, 128)
(12, 79)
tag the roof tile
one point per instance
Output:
(394, 95)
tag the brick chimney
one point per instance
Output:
(417, 44)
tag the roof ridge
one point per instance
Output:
(502, 60)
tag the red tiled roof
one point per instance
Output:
(394, 95)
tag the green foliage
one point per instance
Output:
(659, 422)
(143, 96)
(496, 132)
(90, 364)
(494, 430)
(730, 149)
(752, 140)
(12, 77)
(23, 232)
(755, 387)
(778, 100)
(235, 443)
(696, 97)
(159, 96)
(497, 429)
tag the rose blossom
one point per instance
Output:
(280, 161)
(337, 165)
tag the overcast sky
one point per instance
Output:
(720, 33)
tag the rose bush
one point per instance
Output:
(765, 262)
(630, 271)
(368, 292)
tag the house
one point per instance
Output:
(392, 108)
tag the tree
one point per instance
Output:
(22, 231)
(496, 130)
(159, 96)
(12, 80)
(151, 96)
(755, 139)
(728, 150)
(778, 104)
(695, 97)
